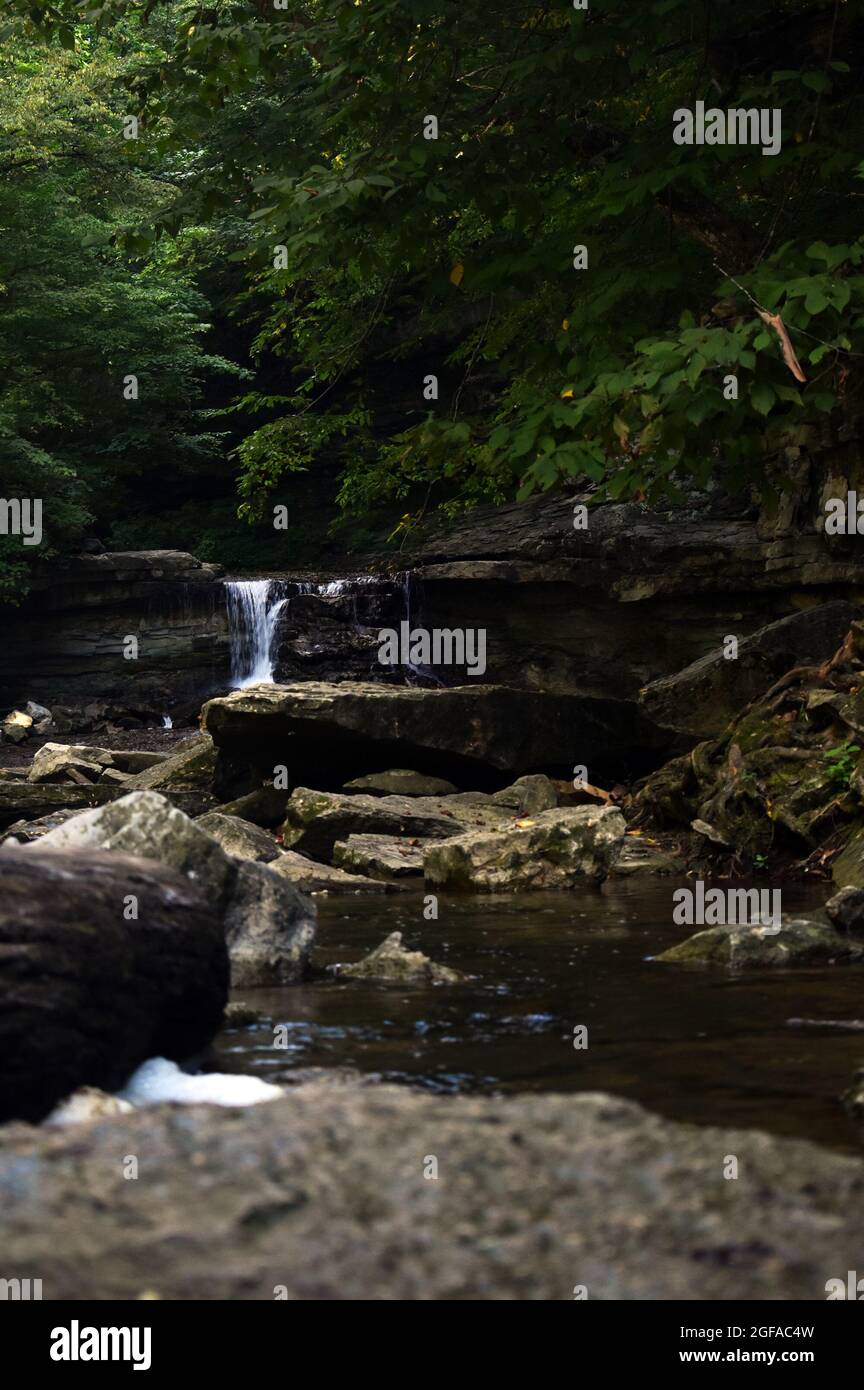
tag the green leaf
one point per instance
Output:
(762, 397)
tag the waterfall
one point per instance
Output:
(253, 607)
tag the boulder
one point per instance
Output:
(16, 726)
(146, 824)
(315, 820)
(264, 806)
(846, 909)
(400, 782)
(700, 700)
(269, 928)
(380, 856)
(391, 963)
(239, 838)
(555, 849)
(190, 766)
(322, 731)
(528, 795)
(312, 877)
(23, 800)
(798, 942)
(88, 989)
(52, 762)
(268, 924)
(321, 1196)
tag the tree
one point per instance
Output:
(496, 196)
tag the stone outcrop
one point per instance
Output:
(785, 778)
(105, 959)
(66, 641)
(701, 700)
(477, 734)
(554, 849)
(321, 1196)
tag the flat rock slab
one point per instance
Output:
(380, 856)
(31, 801)
(324, 1192)
(311, 877)
(315, 820)
(319, 729)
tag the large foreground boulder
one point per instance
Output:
(105, 960)
(269, 924)
(326, 1195)
(554, 849)
(328, 733)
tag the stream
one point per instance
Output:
(705, 1046)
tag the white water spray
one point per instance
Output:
(253, 608)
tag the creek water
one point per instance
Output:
(701, 1045)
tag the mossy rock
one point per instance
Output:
(797, 943)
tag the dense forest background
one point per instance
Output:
(237, 205)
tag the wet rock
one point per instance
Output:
(400, 782)
(846, 909)
(322, 1194)
(239, 838)
(311, 877)
(315, 820)
(798, 942)
(87, 1103)
(391, 963)
(269, 928)
(528, 795)
(380, 856)
(88, 989)
(700, 700)
(555, 849)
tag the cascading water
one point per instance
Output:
(253, 608)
